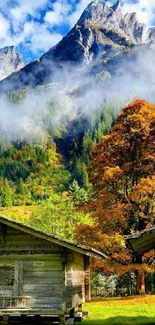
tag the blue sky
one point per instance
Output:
(34, 26)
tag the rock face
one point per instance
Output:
(10, 61)
(99, 28)
(150, 38)
(100, 38)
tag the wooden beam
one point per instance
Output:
(87, 278)
(72, 313)
(18, 285)
(62, 319)
(3, 232)
(6, 319)
(80, 308)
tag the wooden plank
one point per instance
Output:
(33, 289)
(44, 282)
(31, 311)
(41, 293)
(26, 257)
(70, 321)
(53, 270)
(52, 284)
(18, 284)
(43, 276)
(41, 263)
(46, 300)
(53, 265)
(87, 278)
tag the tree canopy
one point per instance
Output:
(122, 172)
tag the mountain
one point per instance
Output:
(10, 61)
(150, 39)
(100, 39)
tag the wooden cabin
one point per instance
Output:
(41, 274)
(142, 242)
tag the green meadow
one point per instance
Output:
(127, 311)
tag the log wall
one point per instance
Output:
(31, 267)
(53, 277)
(75, 279)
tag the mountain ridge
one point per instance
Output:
(102, 33)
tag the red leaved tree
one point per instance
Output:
(122, 173)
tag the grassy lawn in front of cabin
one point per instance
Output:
(121, 311)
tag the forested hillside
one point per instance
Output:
(44, 179)
(31, 167)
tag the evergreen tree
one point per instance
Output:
(20, 187)
(6, 198)
(77, 194)
(87, 144)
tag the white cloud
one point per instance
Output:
(18, 28)
(40, 38)
(33, 5)
(58, 14)
(20, 12)
(4, 5)
(4, 27)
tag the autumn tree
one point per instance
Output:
(122, 172)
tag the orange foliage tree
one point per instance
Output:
(122, 173)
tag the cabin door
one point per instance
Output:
(7, 279)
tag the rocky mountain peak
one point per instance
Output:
(133, 28)
(96, 11)
(102, 36)
(99, 14)
(150, 37)
(10, 61)
(117, 10)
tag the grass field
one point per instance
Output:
(126, 311)
(18, 213)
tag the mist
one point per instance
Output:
(77, 91)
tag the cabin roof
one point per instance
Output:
(142, 242)
(86, 250)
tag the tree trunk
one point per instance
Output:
(140, 278)
(140, 283)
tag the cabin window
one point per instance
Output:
(11, 279)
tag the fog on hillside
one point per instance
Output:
(79, 92)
